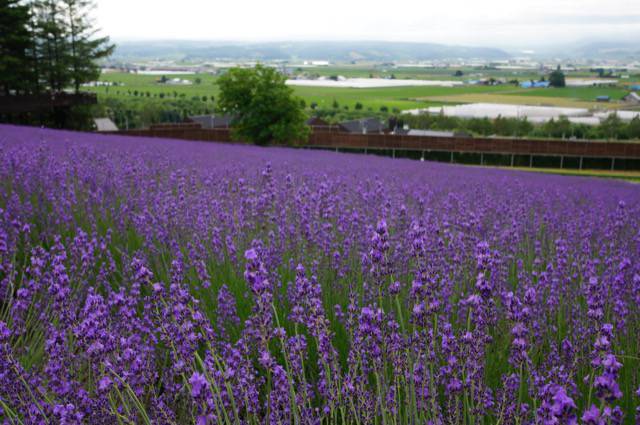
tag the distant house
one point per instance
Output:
(603, 99)
(632, 98)
(178, 82)
(635, 87)
(430, 133)
(316, 122)
(104, 124)
(534, 84)
(363, 126)
(436, 133)
(209, 122)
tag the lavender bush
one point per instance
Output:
(157, 281)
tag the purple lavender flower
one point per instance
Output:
(430, 293)
(197, 382)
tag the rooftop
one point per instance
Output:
(105, 124)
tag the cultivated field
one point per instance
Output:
(578, 93)
(426, 73)
(522, 98)
(400, 98)
(397, 97)
(163, 281)
(374, 98)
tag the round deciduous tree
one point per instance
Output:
(556, 78)
(263, 107)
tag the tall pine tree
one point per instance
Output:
(16, 64)
(48, 47)
(52, 46)
(85, 49)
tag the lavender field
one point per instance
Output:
(169, 282)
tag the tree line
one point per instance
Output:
(143, 111)
(48, 46)
(610, 128)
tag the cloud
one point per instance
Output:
(491, 22)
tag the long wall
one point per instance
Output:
(478, 145)
(181, 132)
(513, 151)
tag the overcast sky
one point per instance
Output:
(498, 23)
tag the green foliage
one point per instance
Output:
(364, 103)
(511, 127)
(48, 46)
(560, 128)
(264, 107)
(556, 78)
(335, 116)
(611, 128)
(84, 50)
(523, 127)
(482, 126)
(130, 113)
(52, 47)
(633, 129)
(16, 65)
(65, 46)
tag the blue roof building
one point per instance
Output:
(534, 84)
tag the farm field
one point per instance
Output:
(578, 93)
(165, 281)
(374, 98)
(144, 83)
(400, 98)
(424, 73)
(573, 97)
(397, 97)
(521, 98)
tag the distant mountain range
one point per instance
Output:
(367, 51)
(290, 51)
(593, 50)
(610, 50)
